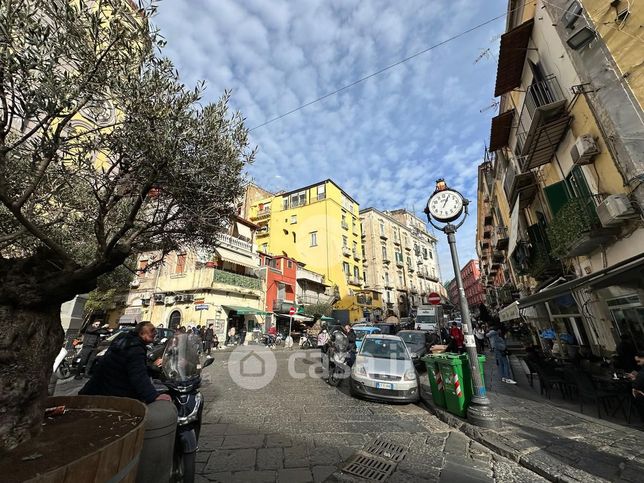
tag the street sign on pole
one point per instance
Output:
(434, 298)
(291, 311)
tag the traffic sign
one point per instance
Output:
(434, 298)
(201, 306)
(291, 311)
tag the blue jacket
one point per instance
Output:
(123, 371)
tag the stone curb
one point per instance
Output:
(493, 441)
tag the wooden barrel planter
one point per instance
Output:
(115, 461)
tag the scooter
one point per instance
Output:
(309, 342)
(337, 359)
(181, 376)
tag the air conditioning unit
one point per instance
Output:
(169, 300)
(135, 283)
(584, 149)
(615, 209)
(184, 298)
(159, 298)
(145, 300)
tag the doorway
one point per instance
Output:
(175, 320)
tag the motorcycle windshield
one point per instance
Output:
(181, 358)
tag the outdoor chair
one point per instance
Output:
(548, 380)
(570, 382)
(587, 390)
(529, 370)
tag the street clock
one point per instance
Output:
(445, 204)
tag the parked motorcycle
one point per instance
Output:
(181, 375)
(308, 342)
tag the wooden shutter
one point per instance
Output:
(557, 196)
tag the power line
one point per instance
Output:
(391, 66)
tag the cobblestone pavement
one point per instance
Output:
(297, 430)
(553, 440)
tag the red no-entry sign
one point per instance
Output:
(291, 311)
(434, 298)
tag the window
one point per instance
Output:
(386, 279)
(356, 273)
(293, 219)
(345, 241)
(382, 228)
(355, 248)
(314, 238)
(290, 264)
(400, 279)
(384, 252)
(181, 263)
(425, 253)
(264, 247)
(431, 255)
(294, 238)
(294, 200)
(321, 192)
(143, 265)
(353, 225)
(345, 268)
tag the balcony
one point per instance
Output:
(431, 277)
(234, 243)
(487, 232)
(576, 230)
(346, 251)
(520, 183)
(502, 238)
(262, 214)
(345, 225)
(533, 257)
(396, 241)
(386, 261)
(356, 255)
(487, 220)
(542, 124)
(353, 280)
(383, 236)
(400, 262)
(283, 306)
(235, 279)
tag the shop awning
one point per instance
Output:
(303, 318)
(245, 310)
(627, 271)
(500, 133)
(512, 53)
(130, 319)
(510, 312)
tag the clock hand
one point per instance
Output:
(445, 202)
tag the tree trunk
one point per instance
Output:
(30, 339)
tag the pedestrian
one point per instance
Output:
(123, 370)
(351, 336)
(457, 336)
(625, 355)
(242, 336)
(208, 338)
(323, 338)
(479, 335)
(498, 345)
(215, 341)
(231, 335)
(91, 339)
(638, 384)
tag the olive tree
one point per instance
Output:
(103, 153)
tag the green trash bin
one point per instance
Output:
(457, 381)
(435, 378)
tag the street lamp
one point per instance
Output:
(446, 205)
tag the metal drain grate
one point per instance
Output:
(369, 467)
(387, 450)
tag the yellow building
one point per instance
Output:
(565, 180)
(317, 225)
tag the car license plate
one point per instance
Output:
(384, 385)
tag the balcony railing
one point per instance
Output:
(234, 243)
(542, 123)
(356, 255)
(261, 214)
(345, 225)
(502, 238)
(346, 251)
(517, 182)
(576, 230)
(235, 279)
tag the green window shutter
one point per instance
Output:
(557, 196)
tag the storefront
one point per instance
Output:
(245, 320)
(590, 313)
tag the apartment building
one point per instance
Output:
(192, 287)
(319, 226)
(399, 258)
(560, 196)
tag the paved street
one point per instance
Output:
(304, 430)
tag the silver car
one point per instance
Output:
(384, 370)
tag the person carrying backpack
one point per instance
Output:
(498, 345)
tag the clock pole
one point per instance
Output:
(479, 411)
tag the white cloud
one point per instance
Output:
(385, 140)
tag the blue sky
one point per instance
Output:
(384, 141)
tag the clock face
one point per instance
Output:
(445, 205)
